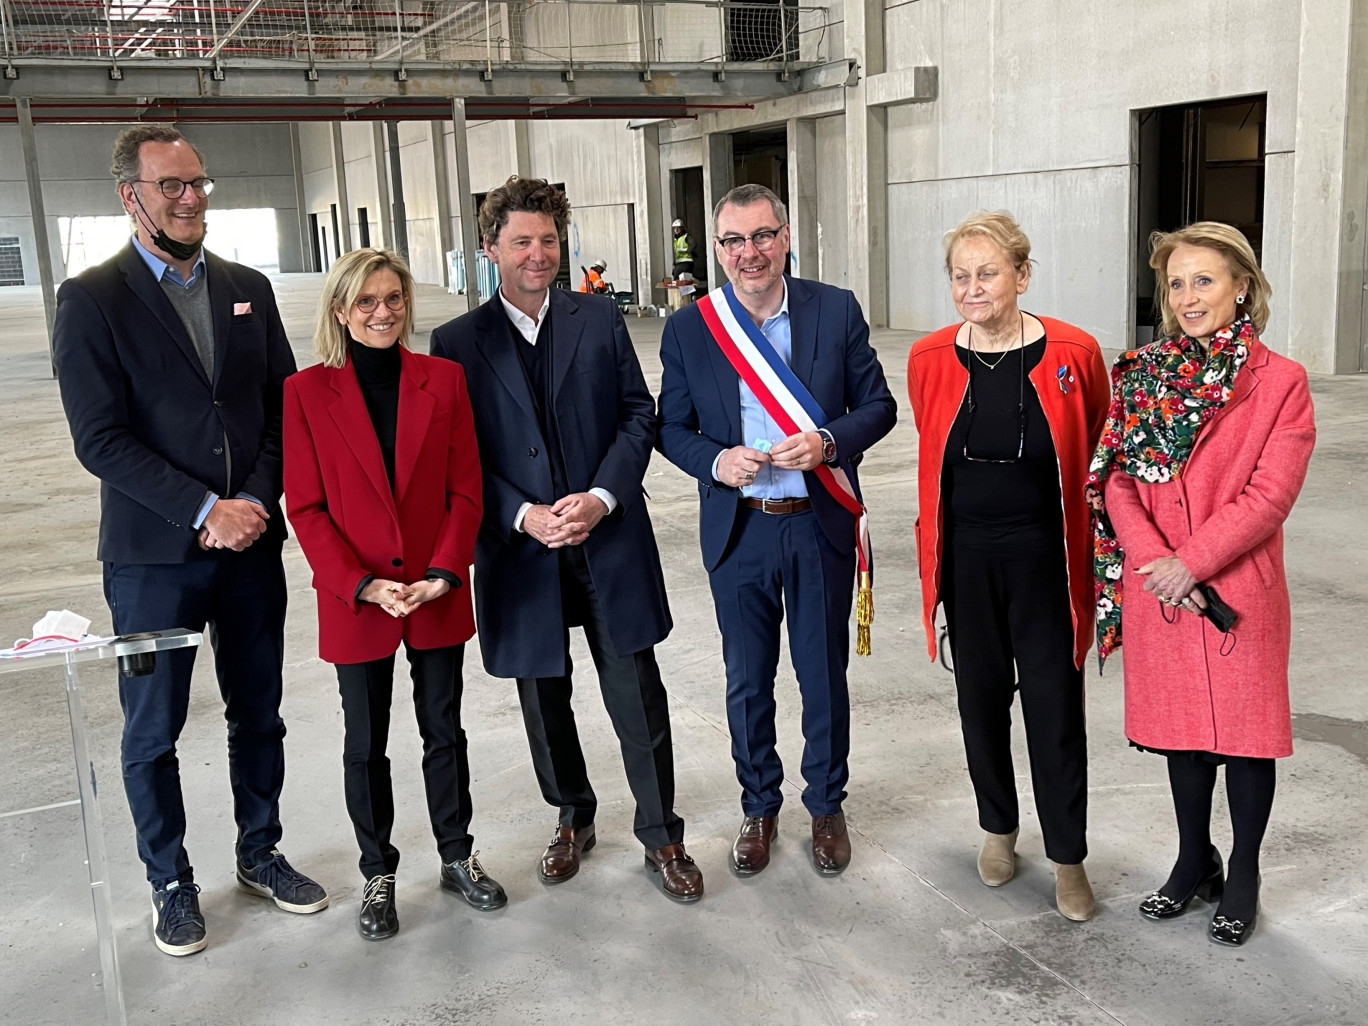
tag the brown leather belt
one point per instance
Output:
(778, 505)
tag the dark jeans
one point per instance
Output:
(637, 704)
(241, 597)
(1011, 629)
(783, 563)
(367, 692)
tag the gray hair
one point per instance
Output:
(126, 165)
(745, 195)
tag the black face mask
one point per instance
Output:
(168, 245)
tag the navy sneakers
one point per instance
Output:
(177, 926)
(278, 880)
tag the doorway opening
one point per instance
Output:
(363, 227)
(760, 157)
(318, 264)
(1196, 162)
(687, 205)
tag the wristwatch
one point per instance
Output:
(828, 446)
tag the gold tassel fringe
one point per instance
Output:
(864, 614)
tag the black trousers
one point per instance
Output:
(637, 705)
(367, 690)
(1011, 629)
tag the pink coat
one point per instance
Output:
(1223, 518)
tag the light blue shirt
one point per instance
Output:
(160, 268)
(757, 425)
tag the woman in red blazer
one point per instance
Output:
(1204, 452)
(1008, 408)
(382, 485)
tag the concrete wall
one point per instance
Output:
(251, 164)
(1036, 117)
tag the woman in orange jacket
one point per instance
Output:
(1008, 407)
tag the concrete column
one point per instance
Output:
(442, 183)
(340, 177)
(867, 164)
(382, 184)
(522, 152)
(38, 214)
(719, 174)
(399, 218)
(1351, 336)
(466, 205)
(302, 219)
(652, 226)
(802, 190)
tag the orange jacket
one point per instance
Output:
(936, 382)
(592, 282)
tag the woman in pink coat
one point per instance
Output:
(1204, 452)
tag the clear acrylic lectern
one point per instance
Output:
(140, 648)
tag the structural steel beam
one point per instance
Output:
(39, 215)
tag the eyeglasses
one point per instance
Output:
(762, 240)
(1021, 406)
(395, 301)
(174, 188)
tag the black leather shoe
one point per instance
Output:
(467, 878)
(1234, 932)
(1209, 888)
(378, 919)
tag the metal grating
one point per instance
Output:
(11, 261)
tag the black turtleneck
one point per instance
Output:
(378, 372)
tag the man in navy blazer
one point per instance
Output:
(565, 426)
(171, 364)
(774, 541)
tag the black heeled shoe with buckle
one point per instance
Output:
(1209, 888)
(1234, 932)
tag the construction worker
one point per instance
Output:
(593, 278)
(683, 249)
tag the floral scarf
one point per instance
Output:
(1162, 396)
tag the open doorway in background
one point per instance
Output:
(243, 236)
(1196, 162)
(760, 157)
(687, 205)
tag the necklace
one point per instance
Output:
(1003, 355)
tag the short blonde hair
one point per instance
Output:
(344, 283)
(998, 227)
(1239, 257)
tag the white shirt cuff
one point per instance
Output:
(714, 466)
(522, 512)
(608, 498)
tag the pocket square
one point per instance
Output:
(241, 308)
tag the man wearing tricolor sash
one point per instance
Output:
(770, 396)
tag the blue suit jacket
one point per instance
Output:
(606, 420)
(150, 423)
(700, 404)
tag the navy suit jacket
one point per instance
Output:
(150, 423)
(605, 417)
(700, 404)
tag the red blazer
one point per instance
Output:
(350, 523)
(1186, 686)
(936, 382)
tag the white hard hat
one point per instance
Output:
(600, 265)
(677, 223)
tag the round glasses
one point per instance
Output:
(174, 188)
(394, 301)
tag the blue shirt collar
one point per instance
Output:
(160, 267)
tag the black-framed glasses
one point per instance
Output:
(174, 188)
(395, 302)
(763, 240)
(973, 406)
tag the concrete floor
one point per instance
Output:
(907, 935)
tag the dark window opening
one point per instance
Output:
(11, 261)
(363, 227)
(1197, 162)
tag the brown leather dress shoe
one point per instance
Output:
(751, 852)
(562, 858)
(830, 843)
(680, 879)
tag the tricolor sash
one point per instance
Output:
(793, 408)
